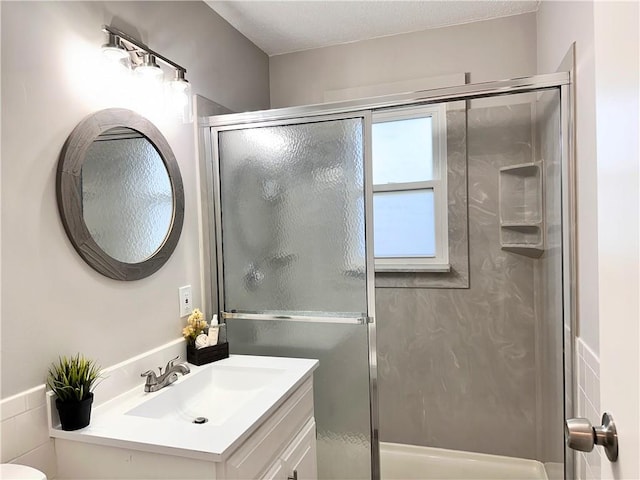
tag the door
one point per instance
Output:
(294, 261)
(293, 269)
(617, 125)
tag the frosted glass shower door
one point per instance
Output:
(294, 266)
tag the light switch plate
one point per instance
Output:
(185, 300)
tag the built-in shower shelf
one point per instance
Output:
(521, 216)
(521, 225)
(526, 250)
(522, 169)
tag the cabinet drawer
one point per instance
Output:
(261, 450)
(300, 455)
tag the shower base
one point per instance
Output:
(410, 462)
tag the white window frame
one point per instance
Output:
(440, 262)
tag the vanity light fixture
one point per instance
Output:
(121, 46)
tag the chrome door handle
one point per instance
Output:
(580, 435)
(294, 476)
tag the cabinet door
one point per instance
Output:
(300, 456)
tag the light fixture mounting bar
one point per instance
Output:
(141, 46)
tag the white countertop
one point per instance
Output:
(111, 425)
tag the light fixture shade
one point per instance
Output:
(149, 69)
(114, 50)
(182, 97)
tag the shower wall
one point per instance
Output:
(457, 366)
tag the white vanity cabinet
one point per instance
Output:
(280, 444)
(298, 462)
(284, 444)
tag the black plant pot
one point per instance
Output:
(75, 415)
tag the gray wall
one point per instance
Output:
(52, 302)
(489, 50)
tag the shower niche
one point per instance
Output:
(521, 216)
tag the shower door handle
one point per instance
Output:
(581, 436)
(357, 320)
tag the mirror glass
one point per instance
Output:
(127, 201)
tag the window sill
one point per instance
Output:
(413, 267)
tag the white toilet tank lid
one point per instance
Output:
(10, 471)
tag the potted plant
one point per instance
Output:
(73, 380)
(196, 326)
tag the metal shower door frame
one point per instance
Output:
(368, 317)
(560, 81)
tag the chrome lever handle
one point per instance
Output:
(170, 363)
(294, 476)
(152, 378)
(582, 436)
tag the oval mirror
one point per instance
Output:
(120, 194)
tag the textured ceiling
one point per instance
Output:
(279, 27)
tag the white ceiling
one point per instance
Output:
(286, 26)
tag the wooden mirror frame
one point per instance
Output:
(69, 193)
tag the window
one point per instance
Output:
(409, 152)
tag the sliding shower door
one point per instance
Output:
(292, 266)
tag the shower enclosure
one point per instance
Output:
(421, 372)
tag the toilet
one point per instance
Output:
(11, 471)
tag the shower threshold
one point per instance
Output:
(410, 462)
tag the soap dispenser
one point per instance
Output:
(214, 330)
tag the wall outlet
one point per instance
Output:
(185, 300)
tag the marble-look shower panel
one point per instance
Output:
(457, 366)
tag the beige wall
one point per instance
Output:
(52, 302)
(489, 50)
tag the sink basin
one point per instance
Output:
(234, 395)
(215, 394)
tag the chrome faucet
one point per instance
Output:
(156, 382)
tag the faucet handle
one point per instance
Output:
(170, 363)
(151, 376)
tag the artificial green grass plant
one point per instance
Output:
(73, 379)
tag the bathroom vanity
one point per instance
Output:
(258, 423)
